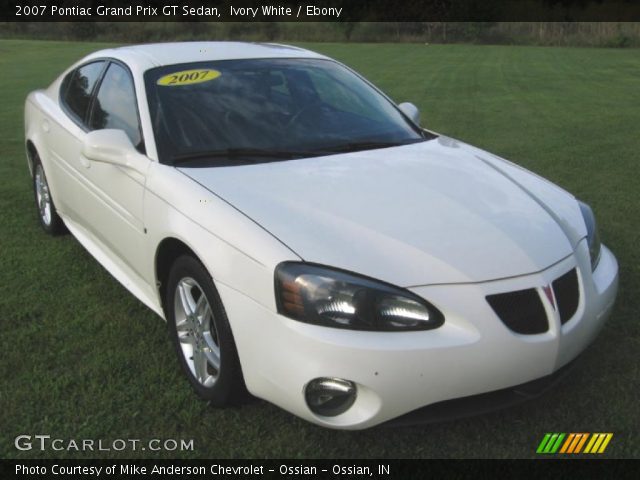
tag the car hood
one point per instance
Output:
(435, 212)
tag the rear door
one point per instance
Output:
(64, 133)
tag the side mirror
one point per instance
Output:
(411, 111)
(113, 146)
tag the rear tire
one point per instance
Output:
(201, 334)
(47, 213)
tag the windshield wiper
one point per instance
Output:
(249, 155)
(369, 145)
(243, 153)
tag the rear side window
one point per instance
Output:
(115, 104)
(77, 88)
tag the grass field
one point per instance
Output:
(82, 358)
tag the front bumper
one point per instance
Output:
(482, 403)
(399, 372)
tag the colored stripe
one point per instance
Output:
(543, 443)
(550, 443)
(582, 442)
(558, 442)
(575, 442)
(567, 442)
(590, 444)
(605, 443)
(595, 447)
(572, 443)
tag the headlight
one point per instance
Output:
(593, 238)
(332, 298)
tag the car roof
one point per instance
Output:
(143, 57)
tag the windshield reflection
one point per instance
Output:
(280, 108)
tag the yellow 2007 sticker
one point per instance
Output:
(188, 77)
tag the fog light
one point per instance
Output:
(330, 396)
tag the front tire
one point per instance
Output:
(201, 334)
(47, 214)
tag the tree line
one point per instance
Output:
(588, 34)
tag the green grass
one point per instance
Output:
(82, 358)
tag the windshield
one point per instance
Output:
(247, 111)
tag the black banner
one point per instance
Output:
(316, 469)
(320, 10)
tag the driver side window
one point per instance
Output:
(115, 105)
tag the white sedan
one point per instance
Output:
(306, 240)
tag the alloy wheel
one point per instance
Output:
(43, 197)
(196, 329)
